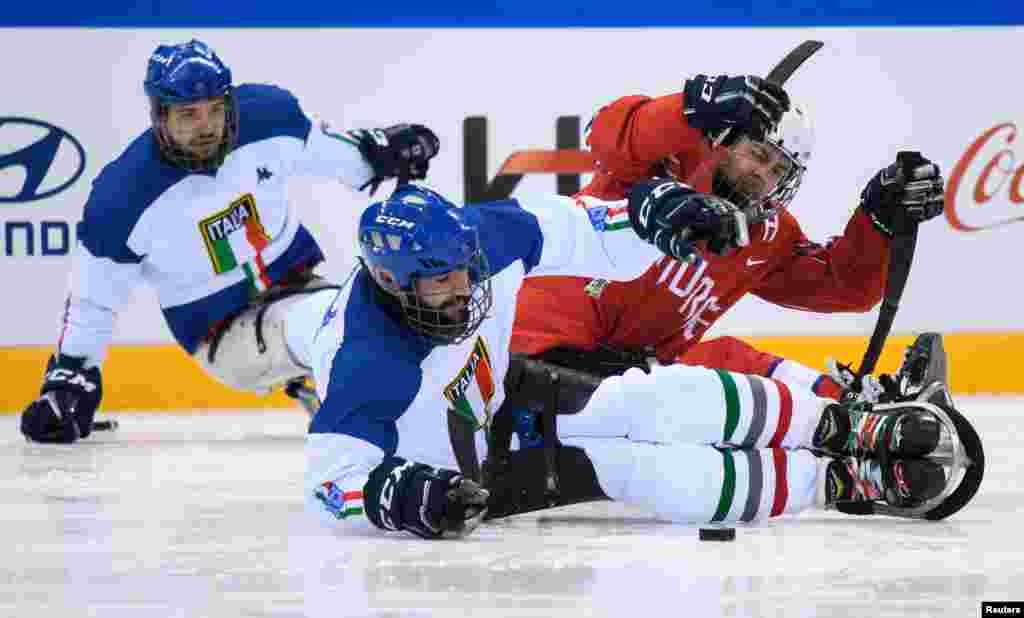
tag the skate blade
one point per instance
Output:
(963, 466)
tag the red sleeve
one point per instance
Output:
(846, 274)
(633, 134)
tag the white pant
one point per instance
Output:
(651, 440)
(287, 326)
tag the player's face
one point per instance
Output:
(448, 293)
(198, 128)
(755, 168)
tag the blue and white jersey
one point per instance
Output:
(204, 241)
(386, 391)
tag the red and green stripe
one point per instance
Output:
(355, 509)
(616, 218)
(483, 375)
(338, 502)
(755, 484)
(759, 411)
(259, 240)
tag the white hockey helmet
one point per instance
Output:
(791, 140)
(794, 137)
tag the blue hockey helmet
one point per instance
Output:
(416, 233)
(187, 73)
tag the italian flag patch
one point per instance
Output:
(235, 238)
(616, 218)
(471, 392)
(339, 502)
(603, 217)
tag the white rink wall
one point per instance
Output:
(868, 95)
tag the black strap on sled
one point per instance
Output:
(519, 484)
(295, 283)
(560, 381)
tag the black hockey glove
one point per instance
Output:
(391, 152)
(672, 217)
(430, 503)
(69, 398)
(908, 191)
(743, 104)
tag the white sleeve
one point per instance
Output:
(588, 238)
(337, 468)
(97, 286)
(329, 153)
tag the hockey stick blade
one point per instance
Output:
(782, 71)
(567, 161)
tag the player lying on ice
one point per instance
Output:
(424, 327)
(196, 207)
(736, 138)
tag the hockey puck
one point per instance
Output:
(110, 425)
(717, 534)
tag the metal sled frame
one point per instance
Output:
(960, 452)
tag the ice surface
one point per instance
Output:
(200, 515)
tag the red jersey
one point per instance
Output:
(672, 305)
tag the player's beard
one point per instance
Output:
(747, 192)
(201, 153)
(434, 322)
(205, 147)
(204, 151)
(728, 188)
(440, 321)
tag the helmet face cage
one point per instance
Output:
(416, 234)
(762, 207)
(792, 140)
(188, 73)
(785, 191)
(433, 324)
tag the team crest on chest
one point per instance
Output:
(233, 234)
(471, 393)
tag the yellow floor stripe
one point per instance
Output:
(164, 377)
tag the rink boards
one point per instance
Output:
(165, 378)
(868, 96)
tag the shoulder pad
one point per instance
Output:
(267, 111)
(125, 188)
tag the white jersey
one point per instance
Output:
(385, 391)
(204, 241)
(651, 438)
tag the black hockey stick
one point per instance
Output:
(901, 256)
(782, 71)
(792, 61)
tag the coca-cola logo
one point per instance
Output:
(985, 189)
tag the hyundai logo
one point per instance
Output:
(38, 157)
